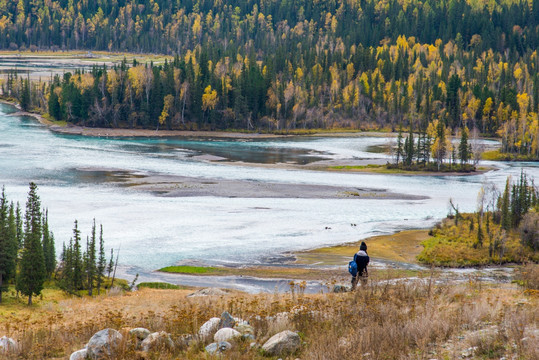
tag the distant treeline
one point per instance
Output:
(276, 66)
(280, 30)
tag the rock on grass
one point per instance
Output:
(285, 342)
(103, 344)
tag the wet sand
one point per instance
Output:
(183, 186)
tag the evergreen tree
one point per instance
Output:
(54, 105)
(464, 154)
(76, 259)
(67, 267)
(110, 267)
(504, 207)
(102, 261)
(18, 225)
(479, 231)
(399, 144)
(91, 261)
(48, 246)
(8, 248)
(32, 273)
(25, 95)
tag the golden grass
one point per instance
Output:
(403, 246)
(272, 272)
(457, 245)
(400, 321)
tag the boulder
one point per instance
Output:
(156, 341)
(285, 342)
(209, 328)
(103, 344)
(226, 334)
(248, 337)
(340, 289)
(7, 345)
(184, 341)
(140, 333)
(227, 321)
(215, 348)
(245, 329)
(79, 355)
(240, 321)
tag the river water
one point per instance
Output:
(154, 231)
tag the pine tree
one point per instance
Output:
(76, 259)
(67, 267)
(102, 261)
(25, 95)
(48, 246)
(54, 105)
(464, 154)
(8, 248)
(399, 145)
(479, 231)
(504, 207)
(110, 267)
(91, 261)
(32, 273)
(18, 224)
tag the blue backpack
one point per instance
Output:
(352, 268)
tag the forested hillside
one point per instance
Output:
(279, 65)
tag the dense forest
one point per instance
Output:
(275, 66)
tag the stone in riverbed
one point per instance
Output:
(285, 342)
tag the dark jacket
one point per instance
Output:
(362, 260)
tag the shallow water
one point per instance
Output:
(154, 231)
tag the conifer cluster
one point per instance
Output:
(28, 255)
(83, 270)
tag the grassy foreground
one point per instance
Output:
(388, 321)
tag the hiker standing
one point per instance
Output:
(362, 260)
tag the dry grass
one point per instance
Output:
(408, 320)
(403, 246)
(272, 272)
(456, 245)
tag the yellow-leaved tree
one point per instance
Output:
(209, 99)
(168, 104)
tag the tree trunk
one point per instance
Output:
(30, 300)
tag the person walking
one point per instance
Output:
(362, 260)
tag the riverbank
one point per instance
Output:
(371, 165)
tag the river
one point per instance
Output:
(153, 231)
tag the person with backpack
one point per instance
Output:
(361, 260)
